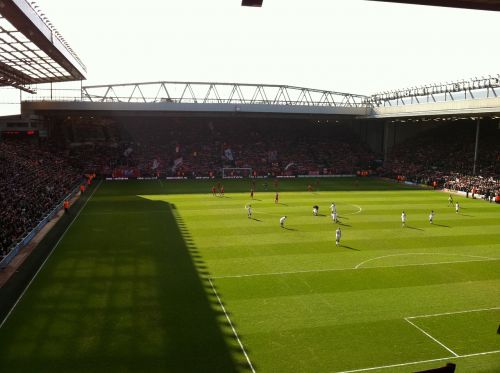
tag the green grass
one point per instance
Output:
(129, 287)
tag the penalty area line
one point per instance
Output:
(434, 339)
(452, 313)
(419, 362)
(232, 326)
(48, 256)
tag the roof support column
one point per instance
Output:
(389, 138)
(476, 147)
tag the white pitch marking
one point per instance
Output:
(453, 313)
(407, 254)
(431, 337)
(232, 326)
(357, 212)
(419, 362)
(48, 256)
(282, 273)
(348, 269)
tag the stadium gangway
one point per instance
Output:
(220, 93)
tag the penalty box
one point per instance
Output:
(462, 332)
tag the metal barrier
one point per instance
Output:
(26, 240)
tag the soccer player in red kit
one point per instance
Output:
(251, 193)
(214, 192)
(222, 190)
(276, 198)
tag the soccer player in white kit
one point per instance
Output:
(431, 216)
(403, 219)
(333, 208)
(338, 234)
(249, 210)
(457, 207)
(282, 221)
(315, 210)
(334, 216)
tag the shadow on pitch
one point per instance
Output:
(256, 219)
(349, 247)
(441, 225)
(343, 224)
(289, 229)
(125, 299)
(191, 311)
(417, 229)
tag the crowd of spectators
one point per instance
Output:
(33, 179)
(486, 187)
(203, 148)
(444, 157)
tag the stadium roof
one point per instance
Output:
(467, 4)
(32, 51)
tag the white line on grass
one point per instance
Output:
(357, 212)
(431, 337)
(350, 269)
(409, 254)
(419, 362)
(232, 326)
(453, 313)
(48, 256)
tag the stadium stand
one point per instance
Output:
(437, 156)
(34, 179)
(194, 148)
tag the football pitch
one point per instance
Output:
(164, 276)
